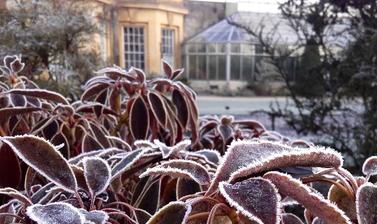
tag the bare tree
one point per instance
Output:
(52, 37)
(334, 93)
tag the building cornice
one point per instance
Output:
(169, 7)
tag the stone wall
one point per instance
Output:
(201, 15)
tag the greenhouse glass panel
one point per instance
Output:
(247, 68)
(235, 48)
(201, 48)
(212, 67)
(262, 66)
(221, 48)
(211, 48)
(202, 67)
(191, 48)
(192, 67)
(222, 67)
(235, 67)
(259, 49)
(247, 49)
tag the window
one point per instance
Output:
(167, 47)
(134, 47)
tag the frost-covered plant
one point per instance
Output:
(98, 161)
(217, 133)
(160, 108)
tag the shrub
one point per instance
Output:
(134, 151)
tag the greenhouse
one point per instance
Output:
(226, 56)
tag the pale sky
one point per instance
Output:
(253, 5)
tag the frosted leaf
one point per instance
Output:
(100, 134)
(124, 164)
(172, 213)
(5, 113)
(10, 192)
(97, 174)
(138, 120)
(17, 66)
(186, 187)
(40, 193)
(246, 158)
(93, 89)
(144, 144)
(120, 143)
(180, 146)
(181, 168)
(8, 207)
(317, 220)
(210, 155)
(142, 216)
(164, 149)
(10, 169)
(343, 201)
(173, 150)
(77, 159)
(55, 213)
(256, 198)
(366, 206)
(42, 156)
(157, 105)
(41, 94)
(95, 216)
(167, 69)
(201, 204)
(182, 106)
(149, 199)
(17, 100)
(370, 166)
(289, 218)
(278, 156)
(80, 177)
(90, 143)
(307, 197)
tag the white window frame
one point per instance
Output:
(134, 46)
(168, 45)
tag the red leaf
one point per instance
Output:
(41, 94)
(139, 119)
(158, 108)
(97, 174)
(167, 69)
(10, 170)
(172, 213)
(8, 112)
(182, 107)
(176, 74)
(307, 197)
(366, 205)
(44, 158)
(93, 90)
(181, 168)
(90, 144)
(256, 198)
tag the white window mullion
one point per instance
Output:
(134, 54)
(167, 40)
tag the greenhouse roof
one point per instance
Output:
(223, 31)
(271, 25)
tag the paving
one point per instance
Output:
(236, 105)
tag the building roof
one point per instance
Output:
(271, 25)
